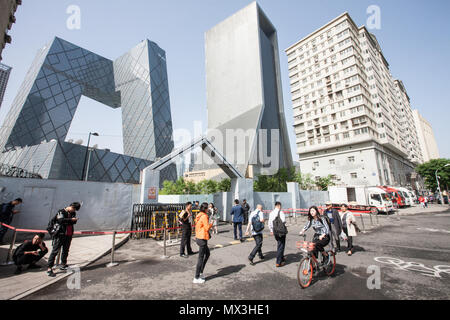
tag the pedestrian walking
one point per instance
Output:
(321, 231)
(277, 225)
(425, 201)
(61, 228)
(336, 226)
(246, 208)
(238, 218)
(29, 253)
(214, 217)
(185, 220)
(256, 224)
(349, 227)
(202, 227)
(6, 216)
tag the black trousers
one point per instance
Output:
(349, 240)
(3, 229)
(258, 246)
(203, 256)
(28, 258)
(58, 243)
(281, 244)
(320, 244)
(237, 225)
(186, 233)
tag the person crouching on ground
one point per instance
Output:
(30, 252)
(322, 231)
(202, 227)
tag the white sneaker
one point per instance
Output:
(199, 280)
(202, 276)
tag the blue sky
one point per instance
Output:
(414, 36)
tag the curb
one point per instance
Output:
(65, 275)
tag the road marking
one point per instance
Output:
(399, 264)
(218, 246)
(235, 242)
(433, 230)
(414, 248)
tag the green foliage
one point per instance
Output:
(188, 187)
(324, 182)
(277, 182)
(428, 169)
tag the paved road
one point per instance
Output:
(143, 274)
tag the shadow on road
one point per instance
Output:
(227, 271)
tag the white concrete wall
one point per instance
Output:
(106, 206)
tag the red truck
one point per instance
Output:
(395, 196)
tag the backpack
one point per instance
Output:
(53, 226)
(257, 225)
(279, 228)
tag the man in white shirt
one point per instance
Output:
(257, 235)
(281, 238)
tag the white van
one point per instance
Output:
(379, 198)
(409, 198)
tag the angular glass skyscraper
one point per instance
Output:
(43, 110)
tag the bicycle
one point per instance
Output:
(310, 265)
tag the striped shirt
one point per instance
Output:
(319, 226)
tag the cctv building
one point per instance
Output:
(34, 132)
(244, 95)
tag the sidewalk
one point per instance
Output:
(83, 251)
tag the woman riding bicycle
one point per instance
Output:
(322, 231)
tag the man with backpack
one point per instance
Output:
(7, 213)
(277, 221)
(335, 224)
(256, 223)
(61, 230)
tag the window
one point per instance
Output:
(332, 162)
(316, 164)
(351, 159)
(354, 175)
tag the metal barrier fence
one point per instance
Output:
(157, 217)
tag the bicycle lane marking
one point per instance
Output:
(434, 271)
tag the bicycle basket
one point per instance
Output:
(309, 246)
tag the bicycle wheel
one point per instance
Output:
(305, 272)
(330, 267)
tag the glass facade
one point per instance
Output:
(46, 103)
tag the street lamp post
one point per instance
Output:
(439, 186)
(85, 156)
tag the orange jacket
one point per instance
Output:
(202, 226)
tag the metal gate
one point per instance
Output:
(156, 216)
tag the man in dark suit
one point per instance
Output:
(336, 225)
(238, 218)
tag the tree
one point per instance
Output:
(428, 169)
(188, 187)
(276, 182)
(305, 181)
(324, 182)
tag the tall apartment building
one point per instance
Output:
(408, 124)
(7, 18)
(348, 117)
(427, 142)
(4, 76)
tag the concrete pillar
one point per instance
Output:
(149, 186)
(294, 189)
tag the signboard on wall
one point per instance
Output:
(152, 193)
